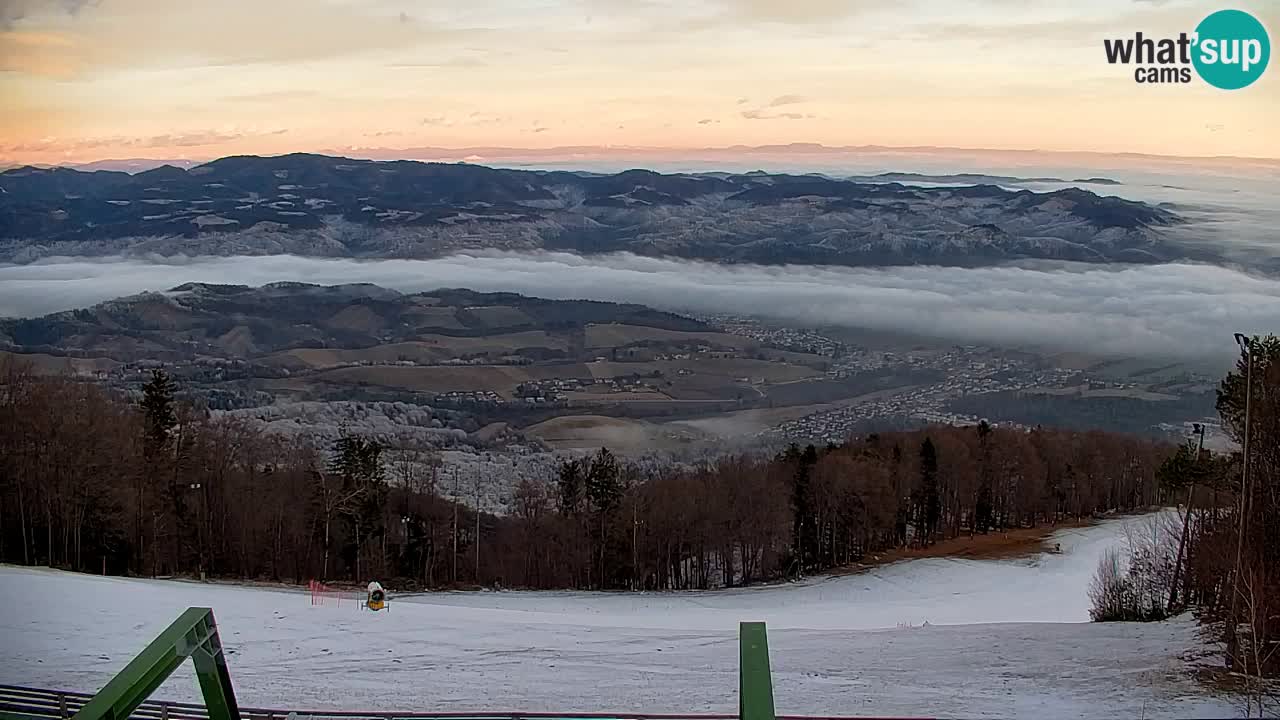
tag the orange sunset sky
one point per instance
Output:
(90, 79)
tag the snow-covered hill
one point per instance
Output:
(323, 206)
(941, 637)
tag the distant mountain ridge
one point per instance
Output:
(324, 206)
(976, 178)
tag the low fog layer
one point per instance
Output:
(1178, 311)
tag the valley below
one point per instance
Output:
(501, 385)
(504, 319)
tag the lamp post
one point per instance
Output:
(196, 487)
(1246, 351)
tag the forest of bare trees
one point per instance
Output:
(149, 486)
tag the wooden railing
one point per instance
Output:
(25, 703)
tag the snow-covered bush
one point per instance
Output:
(1134, 583)
(1110, 591)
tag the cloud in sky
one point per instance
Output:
(766, 115)
(194, 138)
(272, 96)
(970, 73)
(11, 11)
(787, 100)
(799, 12)
(1178, 311)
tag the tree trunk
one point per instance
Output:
(277, 547)
(140, 526)
(1182, 544)
(22, 523)
(324, 575)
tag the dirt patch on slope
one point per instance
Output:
(994, 545)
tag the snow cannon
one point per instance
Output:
(377, 598)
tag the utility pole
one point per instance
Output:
(1246, 348)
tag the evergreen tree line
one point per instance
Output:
(1226, 565)
(95, 482)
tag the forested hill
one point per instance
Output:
(317, 205)
(199, 320)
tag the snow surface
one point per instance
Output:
(1003, 639)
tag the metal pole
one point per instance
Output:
(193, 635)
(755, 684)
(455, 525)
(1186, 523)
(1232, 641)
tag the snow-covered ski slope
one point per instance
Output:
(1004, 639)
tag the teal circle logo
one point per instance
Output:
(1232, 49)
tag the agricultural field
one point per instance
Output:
(501, 379)
(54, 365)
(623, 435)
(610, 335)
(426, 349)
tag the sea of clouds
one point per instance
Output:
(1184, 311)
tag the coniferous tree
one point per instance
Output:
(803, 532)
(357, 462)
(158, 410)
(604, 491)
(159, 421)
(603, 481)
(570, 487)
(930, 499)
(1248, 604)
(983, 507)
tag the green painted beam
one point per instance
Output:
(193, 635)
(755, 684)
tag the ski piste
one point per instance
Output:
(194, 635)
(998, 637)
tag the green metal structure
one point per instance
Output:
(755, 684)
(193, 635)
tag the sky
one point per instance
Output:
(84, 80)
